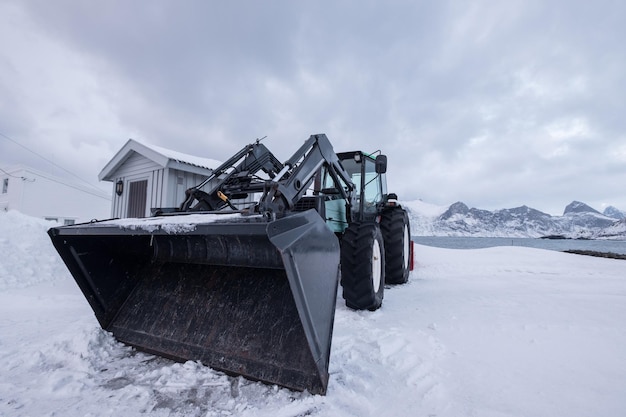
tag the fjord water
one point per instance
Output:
(455, 242)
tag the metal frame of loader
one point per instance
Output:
(253, 295)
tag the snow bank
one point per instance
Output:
(27, 254)
(505, 331)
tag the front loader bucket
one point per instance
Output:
(243, 296)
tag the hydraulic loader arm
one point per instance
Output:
(238, 175)
(287, 182)
(290, 184)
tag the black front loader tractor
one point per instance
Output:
(243, 275)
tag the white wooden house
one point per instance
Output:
(147, 176)
(41, 194)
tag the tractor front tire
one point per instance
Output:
(363, 266)
(396, 231)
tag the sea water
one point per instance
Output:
(450, 242)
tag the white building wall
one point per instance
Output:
(38, 194)
(12, 190)
(177, 183)
(137, 168)
(167, 178)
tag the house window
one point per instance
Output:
(5, 185)
(52, 219)
(68, 222)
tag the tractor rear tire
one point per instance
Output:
(363, 266)
(396, 231)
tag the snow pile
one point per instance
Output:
(506, 331)
(27, 254)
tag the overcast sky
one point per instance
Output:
(493, 103)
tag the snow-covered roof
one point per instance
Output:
(187, 159)
(161, 156)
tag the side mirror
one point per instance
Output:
(381, 164)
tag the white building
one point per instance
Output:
(39, 194)
(146, 176)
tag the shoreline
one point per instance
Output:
(610, 255)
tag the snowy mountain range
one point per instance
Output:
(578, 221)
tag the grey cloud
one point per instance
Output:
(464, 97)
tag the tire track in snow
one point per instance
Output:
(372, 347)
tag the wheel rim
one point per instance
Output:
(376, 266)
(406, 248)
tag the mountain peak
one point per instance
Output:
(456, 208)
(579, 220)
(578, 207)
(614, 212)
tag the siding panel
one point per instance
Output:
(137, 165)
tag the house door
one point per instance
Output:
(137, 196)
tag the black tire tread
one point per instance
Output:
(392, 227)
(356, 266)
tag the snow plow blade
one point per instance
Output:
(241, 295)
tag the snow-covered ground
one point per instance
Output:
(505, 331)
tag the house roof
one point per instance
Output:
(166, 158)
